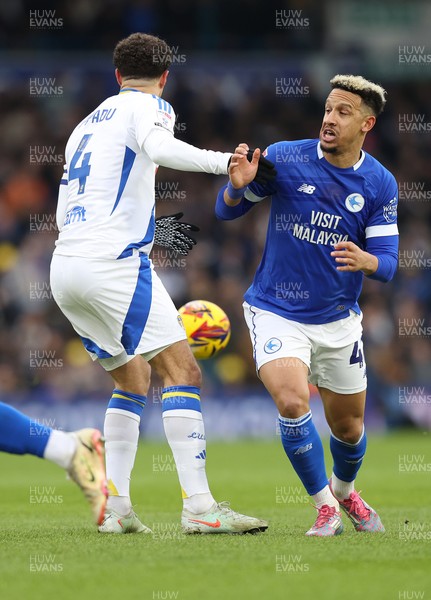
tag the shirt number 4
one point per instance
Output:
(81, 173)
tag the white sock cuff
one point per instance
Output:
(124, 413)
(347, 443)
(183, 412)
(120, 445)
(295, 422)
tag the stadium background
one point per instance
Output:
(243, 71)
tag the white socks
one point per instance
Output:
(342, 489)
(121, 432)
(186, 437)
(60, 448)
(199, 503)
(325, 496)
(184, 429)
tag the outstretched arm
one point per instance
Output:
(167, 151)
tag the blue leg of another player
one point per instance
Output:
(19, 434)
(81, 453)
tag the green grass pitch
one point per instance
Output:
(49, 548)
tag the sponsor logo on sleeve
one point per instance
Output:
(164, 120)
(390, 210)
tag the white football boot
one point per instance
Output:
(115, 523)
(220, 519)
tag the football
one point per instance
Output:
(207, 327)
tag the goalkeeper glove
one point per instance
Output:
(169, 233)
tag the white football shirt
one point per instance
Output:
(106, 198)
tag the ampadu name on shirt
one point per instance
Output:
(326, 236)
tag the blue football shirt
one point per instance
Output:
(313, 206)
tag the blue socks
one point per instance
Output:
(304, 449)
(21, 435)
(181, 397)
(127, 401)
(347, 457)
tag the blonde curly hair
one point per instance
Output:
(371, 93)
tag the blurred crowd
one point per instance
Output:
(241, 25)
(217, 108)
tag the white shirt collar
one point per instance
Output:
(355, 166)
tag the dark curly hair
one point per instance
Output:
(142, 56)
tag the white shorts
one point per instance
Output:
(333, 352)
(119, 308)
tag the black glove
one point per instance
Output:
(266, 171)
(169, 234)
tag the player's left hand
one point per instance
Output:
(169, 233)
(352, 258)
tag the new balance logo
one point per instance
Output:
(202, 454)
(303, 449)
(306, 188)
